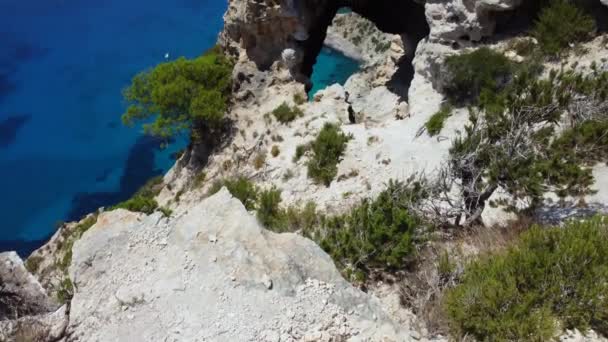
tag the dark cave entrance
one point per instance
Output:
(402, 17)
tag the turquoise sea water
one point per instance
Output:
(331, 67)
(63, 149)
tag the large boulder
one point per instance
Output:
(26, 312)
(212, 273)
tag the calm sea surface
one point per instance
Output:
(63, 63)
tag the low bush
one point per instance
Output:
(285, 114)
(435, 123)
(470, 73)
(269, 212)
(560, 24)
(32, 263)
(199, 179)
(259, 161)
(376, 235)
(241, 188)
(552, 279)
(143, 201)
(300, 151)
(328, 148)
(139, 203)
(275, 151)
(299, 99)
(74, 235)
(65, 291)
(587, 142)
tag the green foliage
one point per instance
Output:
(299, 99)
(32, 263)
(300, 151)
(328, 148)
(304, 219)
(552, 278)
(259, 161)
(65, 291)
(180, 95)
(292, 219)
(74, 235)
(379, 234)
(143, 200)
(586, 142)
(471, 72)
(560, 24)
(199, 179)
(510, 141)
(275, 151)
(138, 203)
(269, 213)
(445, 266)
(241, 188)
(435, 123)
(286, 114)
(166, 211)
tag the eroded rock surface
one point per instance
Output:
(26, 312)
(212, 274)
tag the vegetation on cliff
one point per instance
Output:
(180, 96)
(553, 278)
(512, 140)
(561, 24)
(327, 148)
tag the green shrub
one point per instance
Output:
(166, 211)
(492, 154)
(259, 161)
(587, 142)
(275, 151)
(143, 200)
(32, 263)
(553, 278)
(199, 179)
(269, 212)
(138, 203)
(241, 188)
(299, 99)
(292, 219)
(523, 46)
(65, 291)
(304, 219)
(435, 123)
(328, 148)
(300, 151)
(74, 235)
(285, 114)
(181, 95)
(376, 235)
(470, 73)
(560, 24)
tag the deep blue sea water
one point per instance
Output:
(63, 63)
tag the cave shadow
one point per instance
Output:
(404, 17)
(400, 82)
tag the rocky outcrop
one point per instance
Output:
(26, 312)
(211, 273)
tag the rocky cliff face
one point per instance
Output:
(212, 274)
(26, 312)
